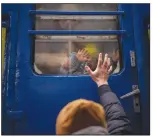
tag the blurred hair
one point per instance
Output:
(79, 114)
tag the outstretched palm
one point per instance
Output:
(101, 74)
(83, 55)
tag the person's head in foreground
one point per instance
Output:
(83, 116)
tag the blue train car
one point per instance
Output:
(36, 40)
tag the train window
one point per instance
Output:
(57, 54)
(60, 55)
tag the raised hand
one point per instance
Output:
(83, 55)
(101, 74)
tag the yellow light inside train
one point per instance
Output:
(92, 50)
(3, 46)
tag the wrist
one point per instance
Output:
(100, 83)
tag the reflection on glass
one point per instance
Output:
(61, 22)
(77, 7)
(67, 55)
(50, 22)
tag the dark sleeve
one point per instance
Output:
(117, 121)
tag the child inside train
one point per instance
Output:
(115, 61)
(75, 62)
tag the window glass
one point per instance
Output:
(54, 22)
(48, 22)
(77, 7)
(60, 55)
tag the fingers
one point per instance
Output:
(90, 72)
(85, 52)
(108, 63)
(82, 51)
(105, 61)
(110, 70)
(79, 51)
(99, 60)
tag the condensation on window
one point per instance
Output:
(61, 22)
(58, 55)
(50, 22)
(77, 7)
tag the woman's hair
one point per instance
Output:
(79, 114)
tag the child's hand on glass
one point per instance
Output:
(83, 55)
